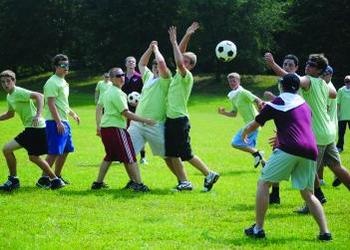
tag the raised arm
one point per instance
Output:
(145, 58)
(273, 65)
(162, 67)
(186, 38)
(179, 60)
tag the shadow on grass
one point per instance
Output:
(248, 242)
(238, 172)
(23, 189)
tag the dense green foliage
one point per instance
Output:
(100, 34)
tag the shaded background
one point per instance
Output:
(99, 34)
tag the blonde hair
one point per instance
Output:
(235, 75)
(192, 56)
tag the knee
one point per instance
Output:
(33, 158)
(6, 150)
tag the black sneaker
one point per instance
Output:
(259, 159)
(325, 236)
(65, 181)
(139, 187)
(99, 185)
(43, 182)
(274, 199)
(129, 184)
(336, 182)
(57, 183)
(210, 180)
(250, 232)
(11, 184)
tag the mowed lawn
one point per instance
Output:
(76, 217)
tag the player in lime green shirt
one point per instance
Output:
(343, 111)
(177, 125)
(102, 86)
(57, 109)
(33, 138)
(243, 102)
(111, 126)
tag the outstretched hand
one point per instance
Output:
(269, 58)
(194, 26)
(172, 34)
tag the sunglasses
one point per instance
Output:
(119, 75)
(311, 64)
(63, 65)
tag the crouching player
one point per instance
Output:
(33, 138)
(294, 156)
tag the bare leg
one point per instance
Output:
(168, 162)
(199, 164)
(178, 168)
(59, 163)
(262, 202)
(133, 172)
(103, 170)
(43, 165)
(316, 209)
(342, 173)
(10, 157)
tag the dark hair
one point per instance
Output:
(57, 58)
(290, 83)
(292, 57)
(320, 60)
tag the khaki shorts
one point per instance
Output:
(282, 166)
(328, 155)
(153, 135)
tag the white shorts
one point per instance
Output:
(154, 135)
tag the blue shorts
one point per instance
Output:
(238, 142)
(58, 144)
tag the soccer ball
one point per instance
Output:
(226, 51)
(133, 98)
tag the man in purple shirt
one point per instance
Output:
(295, 154)
(133, 82)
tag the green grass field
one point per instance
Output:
(77, 218)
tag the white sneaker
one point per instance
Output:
(210, 180)
(144, 161)
(259, 159)
(184, 186)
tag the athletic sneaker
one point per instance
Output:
(99, 185)
(43, 182)
(139, 187)
(259, 159)
(325, 236)
(250, 232)
(57, 183)
(274, 199)
(339, 150)
(11, 184)
(210, 180)
(129, 184)
(65, 181)
(143, 161)
(184, 186)
(336, 182)
(303, 210)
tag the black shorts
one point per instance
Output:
(177, 138)
(34, 140)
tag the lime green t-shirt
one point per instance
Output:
(102, 86)
(178, 95)
(19, 101)
(152, 102)
(344, 104)
(114, 102)
(243, 103)
(57, 87)
(332, 109)
(317, 96)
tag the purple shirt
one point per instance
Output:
(294, 129)
(134, 83)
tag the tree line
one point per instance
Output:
(99, 34)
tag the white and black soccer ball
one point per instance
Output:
(133, 98)
(226, 50)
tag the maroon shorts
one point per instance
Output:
(118, 145)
